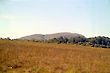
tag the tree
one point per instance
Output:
(8, 38)
(100, 41)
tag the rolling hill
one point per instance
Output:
(50, 36)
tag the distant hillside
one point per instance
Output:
(50, 36)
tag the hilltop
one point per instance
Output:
(50, 36)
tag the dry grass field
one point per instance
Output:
(33, 57)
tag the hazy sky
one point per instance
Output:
(24, 17)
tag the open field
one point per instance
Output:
(32, 57)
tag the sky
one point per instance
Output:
(25, 17)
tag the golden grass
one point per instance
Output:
(32, 57)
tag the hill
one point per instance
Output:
(50, 36)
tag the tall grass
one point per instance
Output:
(31, 57)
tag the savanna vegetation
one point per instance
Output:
(17, 56)
(100, 41)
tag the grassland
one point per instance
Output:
(32, 57)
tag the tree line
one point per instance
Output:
(100, 41)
